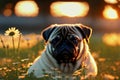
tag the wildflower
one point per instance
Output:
(21, 77)
(23, 60)
(13, 32)
(16, 63)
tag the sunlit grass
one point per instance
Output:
(108, 57)
(15, 66)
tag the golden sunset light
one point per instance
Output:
(69, 9)
(111, 1)
(26, 9)
(30, 39)
(112, 39)
(60, 40)
(110, 13)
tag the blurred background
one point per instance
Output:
(34, 15)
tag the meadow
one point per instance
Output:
(15, 59)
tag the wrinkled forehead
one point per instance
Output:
(65, 30)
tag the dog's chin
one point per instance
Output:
(66, 64)
(66, 67)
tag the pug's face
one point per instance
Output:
(66, 41)
(66, 46)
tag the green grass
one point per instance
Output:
(18, 65)
(109, 53)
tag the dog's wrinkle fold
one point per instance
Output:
(66, 67)
(70, 67)
(62, 66)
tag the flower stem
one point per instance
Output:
(4, 47)
(13, 44)
(18, 48)
(2, 42)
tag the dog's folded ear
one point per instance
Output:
(86, 31)
(46, 33)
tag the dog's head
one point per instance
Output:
(66, 41)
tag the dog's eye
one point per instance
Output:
(73, 38)
(56, 39)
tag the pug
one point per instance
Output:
(66, 49)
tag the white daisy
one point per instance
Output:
(13, 32)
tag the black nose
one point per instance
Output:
(64, 57)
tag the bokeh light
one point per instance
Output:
(111, 39)
(110, 13)
(111, 1)
(26, 9)
(7, 12)
(69, 9)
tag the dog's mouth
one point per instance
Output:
(66, 60)
(67, 63)
(65, 57)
